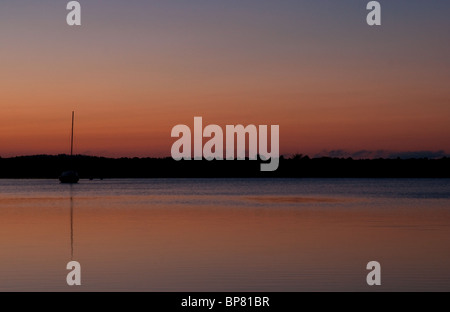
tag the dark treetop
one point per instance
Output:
(45, 166)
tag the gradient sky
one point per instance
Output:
(135, 69)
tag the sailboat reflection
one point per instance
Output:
(71, 222)
(73, 277)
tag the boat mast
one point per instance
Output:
(71, 137)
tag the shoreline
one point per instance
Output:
(92, 167)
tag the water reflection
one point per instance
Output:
(233, 235)
(71, 221)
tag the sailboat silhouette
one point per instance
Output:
(70, 176)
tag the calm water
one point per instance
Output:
(225, 235)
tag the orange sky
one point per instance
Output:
(133, 73)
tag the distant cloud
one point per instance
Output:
(366, 154)
(419, 154)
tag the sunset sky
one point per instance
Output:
(136, 68)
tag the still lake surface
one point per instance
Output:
(225, 234)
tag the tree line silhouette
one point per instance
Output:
(299, 166)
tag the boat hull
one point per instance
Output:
(70, 177)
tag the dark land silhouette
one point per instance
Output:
(50, 167)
